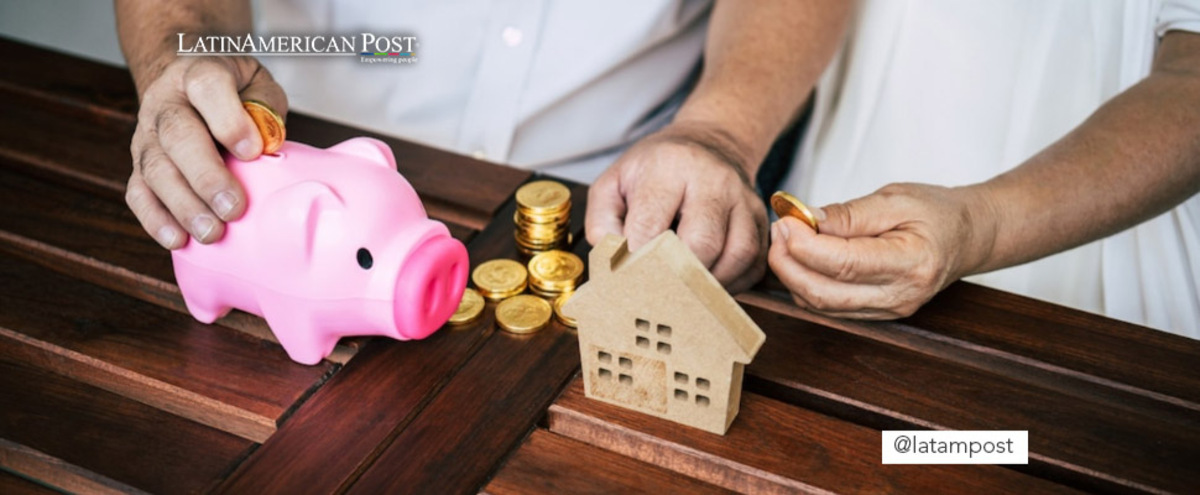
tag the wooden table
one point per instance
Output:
(106, 383)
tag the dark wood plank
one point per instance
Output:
(549, 463)
(16, 485)
(213, 375)
(1041, 343)
(480, 415)
(490, 404)
(1095, 346)
(82, 150)
(50, 472)
(112, 436)
(53, 78)
(773, 447)
(1074, 441)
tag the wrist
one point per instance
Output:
(718, 140)
(984, 219)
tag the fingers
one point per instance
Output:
(165, 180)
(262, 87)
(652, 205)
(704, 224)
(212, 88)
(154, 217)
(817, 292)
(185, 140)
(741, 262)
(605, 209)
(857, 260)
(866, 216)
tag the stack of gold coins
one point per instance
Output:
(499, 279)
(543, 217)
(553, 273)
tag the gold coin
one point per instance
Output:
(548, 219)
(786, 205)
(543, 197)
(555, 270)
(270, 125)
(498, 279)
(559, 302)
(523, 314)
(469, 308)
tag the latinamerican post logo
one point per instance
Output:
(369, 47)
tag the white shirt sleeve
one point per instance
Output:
(1182, 15)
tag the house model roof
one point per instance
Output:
(610, 260)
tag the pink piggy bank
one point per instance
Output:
(333, 243)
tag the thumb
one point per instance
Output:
(867, 216)
(262, 87)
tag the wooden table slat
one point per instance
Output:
(212, 375)
(885, 387)
(774, 448)
(50, 78)
(66, 477)
(113, 436)
(551, 464)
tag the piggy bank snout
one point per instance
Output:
(429, 286)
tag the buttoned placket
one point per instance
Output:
(490, 120)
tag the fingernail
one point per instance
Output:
(244, 149)
(202, 226)
(167, 236)
(224, 202)
(819, 213)
(783, 230)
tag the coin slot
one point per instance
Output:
(626, 379)
(642, 325)
(626, 363)
(702, 383)
(605, 357)
(643, 342)
(701, 401)
(664, 331)
(681, 378)
(605, 374)
(680, 395)
(664, 347)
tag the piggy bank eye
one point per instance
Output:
(364, 259)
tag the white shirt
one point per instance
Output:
(558, 85)
(954, 92)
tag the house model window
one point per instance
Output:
(658, 334)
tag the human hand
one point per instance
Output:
(180, 184)
(884, 255)
(695, 175)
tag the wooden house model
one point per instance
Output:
(658, 334)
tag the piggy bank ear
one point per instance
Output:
(373, 150)
(290, 219)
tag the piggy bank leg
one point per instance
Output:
(297, 331)
(201, 292)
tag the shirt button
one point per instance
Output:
(512, 36)
(479, 155)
